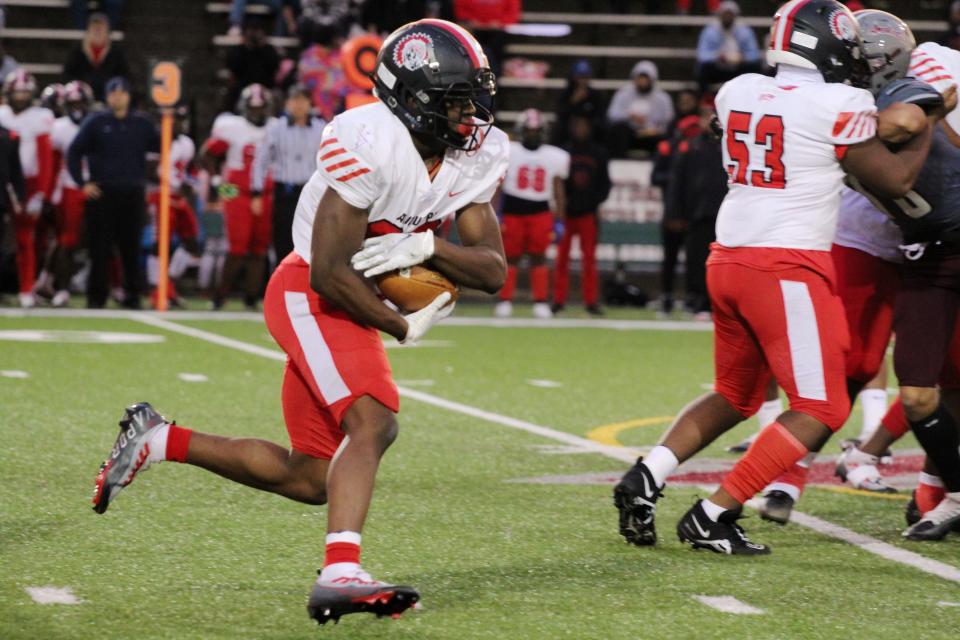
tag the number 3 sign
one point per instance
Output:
(165, 83)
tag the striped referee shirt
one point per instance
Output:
(288, 152)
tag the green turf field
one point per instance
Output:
(185, 554)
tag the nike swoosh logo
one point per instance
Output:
(932, 422)
(700, 530)
(646, 485)
(454, 195)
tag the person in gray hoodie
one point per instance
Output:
(639, 112)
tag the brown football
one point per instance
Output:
(414, 288)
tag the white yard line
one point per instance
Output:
(14, 373)
(865, 542)
(459, 321)
(728, 604)
(53, 595)
(193, 377)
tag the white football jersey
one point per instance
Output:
(61, 135)
(368, 158)
(241, 137)
(862, 226)
(938, 66)
(782, 143)
(32, 126)
(530, 174)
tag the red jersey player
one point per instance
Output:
(787, 141)
(390, 172)
(32, 125)
(533, 193)
(234, 139)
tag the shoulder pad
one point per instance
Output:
(910, 91)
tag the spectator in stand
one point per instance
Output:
(726, 48)
(686, 103)
(288, 153)
(286, 12)
(639, 113)
(115, 144)
(578, 99)
(586, 187)
(673, 229)
(320, 70)
(95, 60)
(81, 11)
(253, 61)
(486, 20)
(697, 185)
(339, 15)
(951, 37)
(8, 63)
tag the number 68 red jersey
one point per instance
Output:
(783, 141)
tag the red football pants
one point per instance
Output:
(24, 232)
(70, 217)
(786, 322)
(247, 234)
(585, 227)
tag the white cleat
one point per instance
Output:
(61, 298)
(504, 309)
(860, 470)
(27, 300)
(541, 310)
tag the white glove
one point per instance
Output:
(35, 205)
(419, 322)
(393, 251)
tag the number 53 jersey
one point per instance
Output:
(783, 139)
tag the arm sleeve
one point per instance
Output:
(77, 150)
(563, 164)
(604, 184)
(262, 160)
(348, 169)
(617, 111)
(849, 118)
(674, 207)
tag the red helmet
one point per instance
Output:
(19, 80)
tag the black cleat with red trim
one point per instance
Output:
(331, 600)
(129, 455)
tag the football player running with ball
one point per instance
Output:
(390, 172)
(787, 141)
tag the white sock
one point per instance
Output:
(712, 509)
(807, 460)
(343, 536)
(158, 443)
(929, 479)
(769, 412)
(661, 462)
(873, 402)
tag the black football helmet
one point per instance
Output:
(77, 100)
(426, 67)
(821, 35)
(255, 104)
(52, 98)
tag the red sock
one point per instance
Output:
(341, 552)
(540, 282)
(508, 287)
(895, 420)
(774, 451)
(178, 441)
(928, 496)
(795, 476)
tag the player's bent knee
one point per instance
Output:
(369, 421)
(919, 401)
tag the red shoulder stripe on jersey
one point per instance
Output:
(938, 78)
(327, 141)
(840, 150)
(920, 63)
(842, 120)
(340, 165)
(853, 125)
(938, 67)
(335, 152)
(351, 176)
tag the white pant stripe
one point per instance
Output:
(320, 360)
(804, 338)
